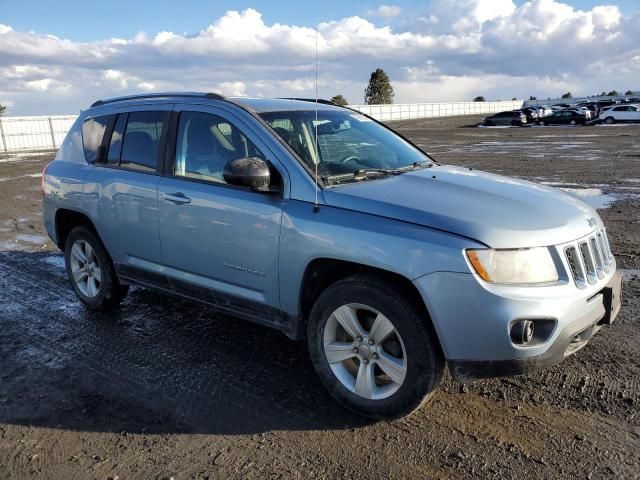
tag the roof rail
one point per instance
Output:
(142, 96)
(312, 100)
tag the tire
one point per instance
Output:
(488, 123)
(543, 123)
(85, 255)
(609, 120)
(412, 344)
(572, 122)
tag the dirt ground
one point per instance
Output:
(165, 389)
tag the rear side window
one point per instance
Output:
(142, 140)
(92, 133)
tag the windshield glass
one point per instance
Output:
(348, 142)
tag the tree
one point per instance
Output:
(2, 109)
(379, 90)
(339, 100)
(603, 94)
(531, 97)
(613, 93)
(479, 99)
(629, 92)
(514, 99)
(567, 95)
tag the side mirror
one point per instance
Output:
(249, 172)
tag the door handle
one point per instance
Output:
(178, 198)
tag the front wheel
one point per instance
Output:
(609, 120)
(91, 272)
(372, 349)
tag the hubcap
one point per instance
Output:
(365, 351)
(85, 268)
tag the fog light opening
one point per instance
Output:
(522, 332)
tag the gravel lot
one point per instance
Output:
(165, 389)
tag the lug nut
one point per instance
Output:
(355, 349)
(375, 356)
(371, 342)
(365, 360)
(359, 339)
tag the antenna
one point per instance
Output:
(316, 205)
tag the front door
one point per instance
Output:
(219, 242)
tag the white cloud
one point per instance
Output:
(385, 11)
(453, 50)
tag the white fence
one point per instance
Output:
(41, 132)
(33, 133)
(405, 111)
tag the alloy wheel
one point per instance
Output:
(365, 351)
(85, 268)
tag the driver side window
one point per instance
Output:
(206, 143)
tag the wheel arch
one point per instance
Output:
(66, 220)
(322, 272)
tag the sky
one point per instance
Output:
(59, 57)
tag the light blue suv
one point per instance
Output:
(323, 223)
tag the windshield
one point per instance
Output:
(348, 142)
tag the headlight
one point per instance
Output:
(525, 265)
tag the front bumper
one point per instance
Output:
(473, 320)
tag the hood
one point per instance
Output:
(500, 212)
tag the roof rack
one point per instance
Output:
(312, 100)
(210, 96)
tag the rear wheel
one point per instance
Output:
(609, 120)
(91, 272)
(572, 122)
(372, 350)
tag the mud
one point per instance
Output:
(164, 388)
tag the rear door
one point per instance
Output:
(125, 187)
(219, 241)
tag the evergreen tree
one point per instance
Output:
(567, 95)
(379, 90)
(629, 92)
(2, 109)
(339, 100)
(479, 99)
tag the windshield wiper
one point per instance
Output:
(365, 173)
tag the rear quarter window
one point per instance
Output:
(92, 134)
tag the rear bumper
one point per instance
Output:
(474, 330)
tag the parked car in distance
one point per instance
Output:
(621, 114)
(515, 118)
(581, 110)
(565, 117)
(390, 265)
(530, 113)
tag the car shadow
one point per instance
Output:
(156, 364)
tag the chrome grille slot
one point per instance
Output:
(585, 253)
(603, 251)
(597, 257)
(575, 265)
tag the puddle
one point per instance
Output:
(29, 238)
(55, 260)
(592, 196)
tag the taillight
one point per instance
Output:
(44, 172)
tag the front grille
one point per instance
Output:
(589, 259)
